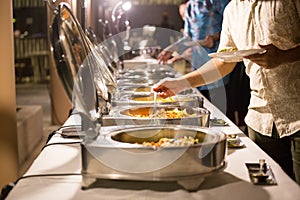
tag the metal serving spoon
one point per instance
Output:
(154, 104)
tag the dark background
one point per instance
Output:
(33, 20)
(141, 15)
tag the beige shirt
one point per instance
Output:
(275, 93)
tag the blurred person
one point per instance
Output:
(203, 21)
(175, 57)
(181, 9)
(162, 36)
(185, 57)
(273, 117)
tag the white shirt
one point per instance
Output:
(275, 93)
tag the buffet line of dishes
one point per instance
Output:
(133, 102)
(150, 139)
(128, 132)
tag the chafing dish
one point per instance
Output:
(143, 90)
(125, 99)
(120, 154)
(128, 81)
(149, 74)
(143, 115)
(134, 89)
(148, 79)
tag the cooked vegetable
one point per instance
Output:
(151, 98)
(163, 113)
(166, 142)
(228, 49)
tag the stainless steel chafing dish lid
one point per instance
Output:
(73, 52)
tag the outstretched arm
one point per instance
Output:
(210, 72)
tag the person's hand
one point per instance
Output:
(208, 41)
(269, 59)
(170, 86)
(164, 56)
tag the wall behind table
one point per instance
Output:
(141, 15)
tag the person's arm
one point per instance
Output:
(179, 46)
(186, 55)
(210, 72)
(274, 57)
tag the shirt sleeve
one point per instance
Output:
(225, 38)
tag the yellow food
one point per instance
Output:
(151, 98)
(143, 89)
(166, 142)
(162, 113)
(228, 49)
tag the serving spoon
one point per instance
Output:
(154, 104)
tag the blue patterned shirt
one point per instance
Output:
(202, 18)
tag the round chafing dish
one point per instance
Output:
(153, 74)
(151, 70)
(122, 155)
(133, 73)
(144, 90)
(183, 115)
(133, 89)
(132, 77)
(146, 112)
(145, 76)
(139, 135)
(159, 76)
(144, 115)
(127, 81)
(145, 98)
(141, 78)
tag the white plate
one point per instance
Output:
(235, 56)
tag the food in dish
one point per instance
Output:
(228, 49)
(151, 98)
(143, 89)
(164, 113)
(167, 142)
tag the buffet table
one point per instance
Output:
(55, 174)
